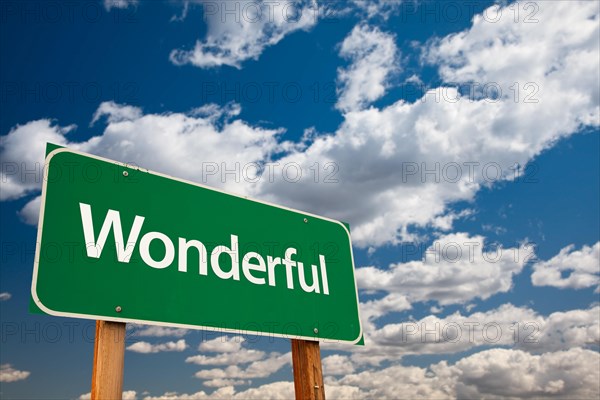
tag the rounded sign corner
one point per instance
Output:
(360, 335)
(345, 230)
(40, 305)
(57, 151)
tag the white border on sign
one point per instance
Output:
(169, 324)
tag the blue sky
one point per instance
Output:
(440, 125)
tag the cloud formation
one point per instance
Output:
(9, 374)
(493, 374)
(157, 331)
(456, 268)
(223, 344)
(374, 58)
(396, 168)
(146, 348)
(261, 368)
(507, 325)
(403, 165)
(169, 143)
(241, 30)
(570, 269)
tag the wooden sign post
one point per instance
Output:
(109, 357)
(308, 373)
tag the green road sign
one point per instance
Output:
(125, 244)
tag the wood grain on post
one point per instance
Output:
(109, 357)
(308, 374)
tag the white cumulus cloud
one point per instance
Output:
(337, 365)
(242, 356)
(455, 269)
(505, 326)
(501, 373)
(570, 268)
(22, 154)
(241, 30)
(374, 59)
(490, 374)
(257, 369)
(508, 325)
(222, 344)
(30, 213)
(158, 331)
(195, 146)
(9, 374)
(146, 348)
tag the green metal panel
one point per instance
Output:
(68, 282)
